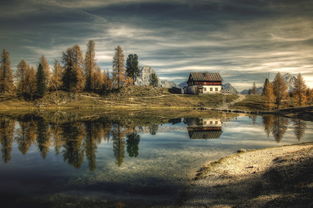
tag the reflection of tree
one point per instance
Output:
(93, 132)
(73, 134)
(279, 127)
(268, 124)
(175, 121)
(43, 137)
(133, 140)
(253, 118)
(153, 129)
(6, 138)
(58, 140)
(25, 135)
(118, 145)
(299, 128)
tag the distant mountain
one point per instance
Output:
(289, 79)
(259, 91)
(167, 84)
(144, 78)
(228, 88)
(182, 84)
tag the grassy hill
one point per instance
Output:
(131, 97)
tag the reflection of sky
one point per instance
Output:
(169, 155)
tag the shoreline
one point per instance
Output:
(270, 177)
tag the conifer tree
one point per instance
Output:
(90, 66)
(56, 78)
(22, 68)
(98, 80)
(73, 78)
(153, 80)
(132, 69)
(299, 91)
(266, 82)
(46, 68)
(268, 93)
(6, 77)
(280, 89)
(41, 81)
(118, 67)
(30, 82)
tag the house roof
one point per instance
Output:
(200, 76)
(204, 134)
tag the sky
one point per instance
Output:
(245, 40)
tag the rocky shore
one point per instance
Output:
(273, 177)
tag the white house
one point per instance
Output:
(204, 83)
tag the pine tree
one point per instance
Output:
(41, 81)
(90, 66)
(299, 91)
(266, 83)
(280, 89)
(6, 77)
(46, 68)
(153, 80)
(73, 77)
(118, 67)
(56, 78)
(132, 69)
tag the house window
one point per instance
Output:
(216, 89)
(211, 89)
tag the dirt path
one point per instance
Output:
(274, 177)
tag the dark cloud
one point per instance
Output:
(242, 39)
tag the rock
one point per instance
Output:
(241, 150)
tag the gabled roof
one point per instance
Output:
(204, 134)
(200, 76)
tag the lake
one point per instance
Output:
(131, 159)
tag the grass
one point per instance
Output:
(131, 97)
(252, 102)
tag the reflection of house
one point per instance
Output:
(204, 83)
(206, 128)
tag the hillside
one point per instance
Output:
(131, 97)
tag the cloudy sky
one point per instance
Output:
(244, 40)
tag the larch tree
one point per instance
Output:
(45, 65)
(56, 78)
(153, 80)
(268, 93)
(132, 69)
(41, 83)
(279, 89)
(6, 75)
(73, 78)
(118, 67)
(21, 72)
(299, 91)
(98, 80)
(30, 81)
(90, 66)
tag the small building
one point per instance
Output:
(204, 83)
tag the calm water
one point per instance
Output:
(124, 162)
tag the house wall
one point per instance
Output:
(206, 89)
(211, 89)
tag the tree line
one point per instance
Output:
(75, 73)
(277, 92)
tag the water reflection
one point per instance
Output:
(78, 141)
(204, 128)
